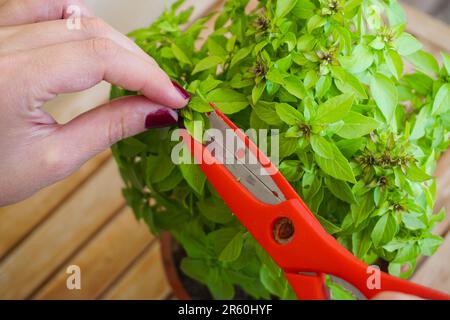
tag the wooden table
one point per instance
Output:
(83, 221)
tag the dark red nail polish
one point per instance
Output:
(160, 119)
(183, 92)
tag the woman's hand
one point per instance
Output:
(41, 57)
(395, 296)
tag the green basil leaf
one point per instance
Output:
(334, 109)
(194, 177)
(338, 167)
(241, 55)
(207, 63)
(228, 100)
(394, 245)
(340, 189)
(284, 7)
(446, 59)
(385, 94)
(233, 249)
(394, 63)
(348, 83)
(310, 79)
(198, 104)
(409, 252)
(322, 86)
(215, 210)
(180, 55)
(287, 146)
(357, 125)
(412, 222)
(303, 9)
(291, 170)
(294, 86)
(416, 174)
(315, 22)
(322, 147)
(195, 126)
(420, 125)
(257, 91)
(424, 62)
(288, 114)
(362, 208)
(360, 60)
(197, 269)
(306, 42)
(266, 111)
(430, 244)
(173, 180)
(396, 15)
(272, 281)
(216, 49)
(407, 44)
(158, 168)
(220, 288)
(330, 227)
(209, 84)
(442, 101)
(385, 230)
(361, 243)
(338, 292)
(275, 76)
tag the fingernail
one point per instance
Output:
(160, 119)
(184, 93)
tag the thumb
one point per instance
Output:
(98, 129)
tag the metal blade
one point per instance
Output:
(336, 280)
(348, 286)
(246, 167)
(250, 173)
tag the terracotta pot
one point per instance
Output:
(170, 268)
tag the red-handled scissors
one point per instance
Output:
(269, 208)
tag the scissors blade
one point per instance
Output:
(244, 165)
(253, 175)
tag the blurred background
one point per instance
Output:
(439, 9)
(126, 17)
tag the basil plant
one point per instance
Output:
(363, 115)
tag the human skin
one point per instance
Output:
(395, 296)
(41, 57)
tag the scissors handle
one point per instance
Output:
(310, 248)
(314, 250)
(241, 203)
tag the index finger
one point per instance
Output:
(17, 12)
(76, 66)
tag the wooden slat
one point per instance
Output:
(427, 28)
(201, 8)
(145, 280)
(443, 200)
(52, 242)
(102, 260)
(443, 187)
(18, 220)
(435, 272)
